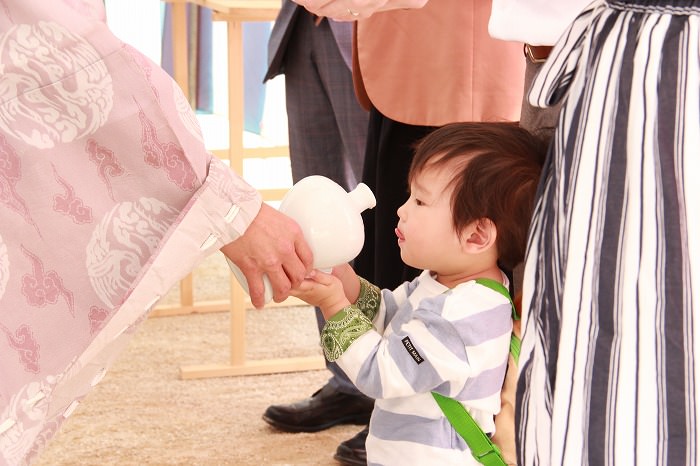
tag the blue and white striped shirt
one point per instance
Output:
(426, 338)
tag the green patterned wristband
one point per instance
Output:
(369, 299)
(342, 330)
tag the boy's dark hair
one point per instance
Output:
(497, 179)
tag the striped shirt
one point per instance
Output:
(424, 337)
(610, 359)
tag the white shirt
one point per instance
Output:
(535, 22)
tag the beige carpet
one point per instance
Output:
(142, 413)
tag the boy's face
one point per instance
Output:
(425, 230)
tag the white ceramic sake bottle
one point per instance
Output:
(330, 220)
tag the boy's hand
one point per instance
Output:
(324, 291)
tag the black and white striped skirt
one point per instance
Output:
(610, 362)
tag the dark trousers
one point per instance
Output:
(327, 125)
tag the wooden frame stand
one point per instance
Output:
(234, 12)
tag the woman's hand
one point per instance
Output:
(273, 245)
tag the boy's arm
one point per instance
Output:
(440, 339)
(345, 322)
(344, 327)
(350, 281)
(362, 293)
(333, 293)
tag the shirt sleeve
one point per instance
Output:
(351, 322)
(456, 343)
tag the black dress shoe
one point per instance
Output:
(325, 408)
(352, 452)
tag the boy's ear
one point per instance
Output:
(479, 236)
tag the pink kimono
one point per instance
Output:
(107, 198)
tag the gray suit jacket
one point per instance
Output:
(281, 32)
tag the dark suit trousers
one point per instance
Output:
(327, 126)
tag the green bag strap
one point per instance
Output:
(496, 286)
(483, 449)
